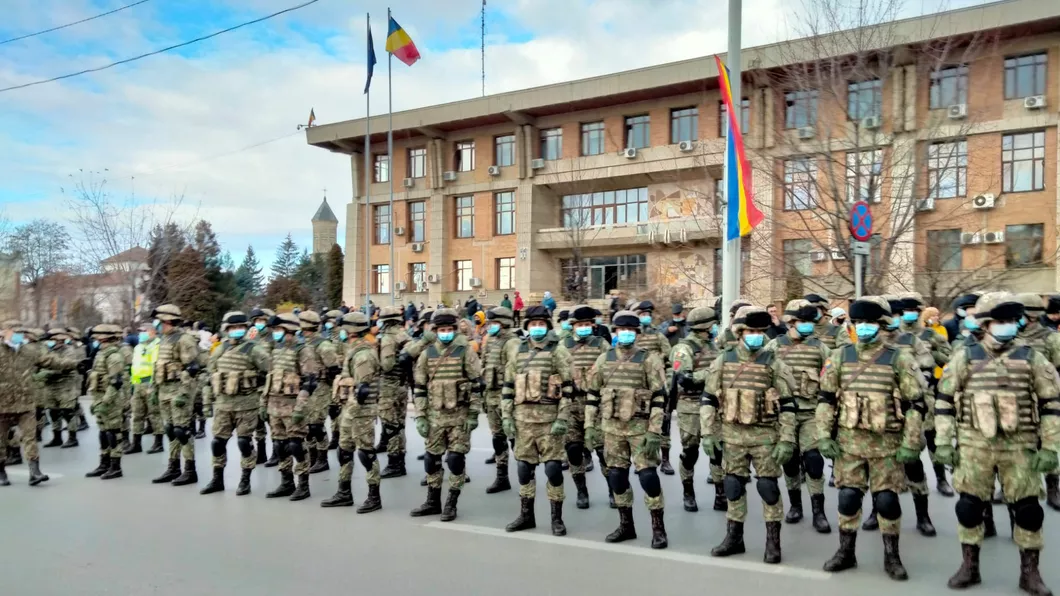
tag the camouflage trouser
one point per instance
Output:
(26, 424)
(316, 433)
(357, 433)
(875, 473)
(974, 475)
(493, 417)
(575, 439)
(441, 439)
(688, 430)
(535, 444)
(737, 461)
(281, 420)
(393, 409)
(243, 423)
(145, 409)
(201, 383)
(621, 451)
(806, 435)
(111, 422)
(174, 417)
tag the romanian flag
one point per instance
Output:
(743, 216)
(400, 44)
(312, 117)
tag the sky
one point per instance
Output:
(182, 124)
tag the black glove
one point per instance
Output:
(116, 382)
(84, 366)
(192, 369)
(688, 383)
(364, 391)
(332, 372)
(404, 360)
(309, 383)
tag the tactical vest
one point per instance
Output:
(395, 374)
(1036, 339)
(651, 340)
(867, 396)
(583, 357)
(236, 375)
(493, 368)
(827, 334)
(701, 359)
(925, 335)
(346, 387)
(447, 385)
(727, 340)
(626, 390)
(998, 393)
(535, 381)
(747, 394)
(285, 377)
(167, 364)
(805, 360)
(98, 377)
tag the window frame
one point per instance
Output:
(504, 213)
(604, 208)
(381, 168)
(936, 86)
(417, 217)
(507, 142)
(463, 284)
(382, 224)
(416, 271)
(938, 171)
(637, 128)
(381, 282)
(547, 137)
(1009, 161)
(592, 136)
(856, 90)
(938, 246)
(681, 122)
(855, 174)
(459, 150)
(791, 185)
(801, 248)
(417, 156)
(1039, 74)
(502, 264)
(723, 117)
(801, 102)
(1038, 237)
(463, 212)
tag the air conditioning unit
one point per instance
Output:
(399, 231)
(818, 255)
(994, 237)
(409, 182)
(449, 176)
(494, 170)
(807, 132)
(971, 238)
(400, 286)
(1034, 102)
(870, 122)
(537, 164)
(927, 204)
(475, 282)
(417, 247)
(837, 255)
(957, 111)
(434, 278)
(687, 146)
(630, 152)
(983, 201)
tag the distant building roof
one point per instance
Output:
(324, 213)
(135, 254)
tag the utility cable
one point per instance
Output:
(119, 9)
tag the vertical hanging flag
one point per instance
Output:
(400, 44)
(371, 60)
(743, 216)
(312, 118)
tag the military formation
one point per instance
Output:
(766, 397)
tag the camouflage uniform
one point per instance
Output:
(330, 321)
(108, 385)
(654, 342)
(748, 405)
(57, 371)
(259, 335)
(330, 366)
(583, 351)
(17, 408)
(174, 378)
(393, 391)
(201, 386)
(1000, 401)
(1046, 341)
(832, 336)
(494, 362)
(422, 337)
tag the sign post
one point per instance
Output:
(860, 232)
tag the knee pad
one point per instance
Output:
(104, 442)
(261, 426)
(56, 414)
(432, 464)
(217, 446)
(915, 471)
(171, 432)
(112, 439)
(455, 461)
(575, 453)
(929, 439)
(554, 472)
(1028, 514)
(734, 487)
(849, 502)
(346, 457)
(524, 471)
(649, 481)
(367, 458)
(793, 466)
(392, 430)
(246, 446)
(689, 456)
(887, 505)
(813, 463)
(67, 414)
(969, 510)
(316, 432)
(196, 408)
(769, 490)
(181, 434)
(500, 444)
(333, 411)
(296, 449)
(618, 478)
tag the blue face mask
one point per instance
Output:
(866, 331)
(16, 339)
(68, 341)
(537, 332)
(95, 343)
(971, 324)
(343, 335)
(805, 328)
(565, 325)
(599, 320)
(645, 320)
(494, 329)
(237, 333)
(50, 343)
(1023, 323)
(379, 323)
(144, 337)
(259, 326)
(753, 341)
(961, 313)
(893, 324)
(818, 317)
(714, 329)
(157, 324)
(329, 325)
(277, 336)
(446, 336)
(583, 331)
(1004, 331)
(910, 316)
(626, 337)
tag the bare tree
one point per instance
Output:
(42, 249)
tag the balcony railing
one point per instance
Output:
(678, 231)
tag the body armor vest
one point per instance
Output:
(492, 367)
(535, 381)
(346, 387)
(447, 385)
(827, 334)
(99, 377)
(805, 360)
(652, 341)
(702, 355)
(395, 375)
(867, 397)
(237, 379)
(625, 393)
(747, 394)
(583, 357)
(168, 365)
(285, 377)
(998, 394)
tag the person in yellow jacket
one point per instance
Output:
(145, 408)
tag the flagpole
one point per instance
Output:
(732, 249)
(367, 185)
(390, 156)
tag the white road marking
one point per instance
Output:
(668, 555)
(24, 473)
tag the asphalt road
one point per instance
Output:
(75, 535)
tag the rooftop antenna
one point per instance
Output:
(483, 48)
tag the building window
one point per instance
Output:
(504, 150)
(1023, 245)
(797, 262)
(597, 276)
(684, 124)
(380, 279)
(638, 132)
(719, 195)
(463, 275)
(864, 99)
(800, 183)
(506, 273)
(382, 224)
(944, 250)
(382, 169)
(948, 169)
(465, 217)
(949, 86)
(504, 207)
(465, 156)
(418, 221)
(723, 117)
(1025, 76)
(605, 208)
(418, 276)
(1023, 162)
(552, 144)
(417, 162)
(864, 175)
(800, 109)
(592, 138)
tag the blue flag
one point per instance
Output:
(371, 60)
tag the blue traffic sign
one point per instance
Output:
(860, 221)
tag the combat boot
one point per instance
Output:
(274, 459)
(611, 498)
(334, 444)
(1052, 491)
(795, 514)
(82, 424)
(526, 519)
(449, 510)
(941, 484)
(262, 455)
(35, 475)
(420, 457)
(501, 483)
(244, 483)
(664, 464)
(923, 520)
(201, 434)
(658, 529)
(733, 542)
(114, 471)
(3, 475)
(720, 502)
(558, 527)
(190, 476)
(286, 487)
(322, 464)
(845, 557)
(892, 560)
(57, 438)
(171, 473)
(136, 446)
(71, 439)
(968, 574)
(1030, 578)
(156, 447)
(372, 502)
(582, 501)
(689, 495)
(302, 491)
(772, 555)
(491, 460)
(587, 457)
(343, 497)
(380, 447)
(820, 520)
(395, 466)
(312, 457)
(872, 523)
(217, 483)
(625, 530)
(14, 456)
(432, 506)
(101, 469)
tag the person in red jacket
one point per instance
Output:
(518, 307)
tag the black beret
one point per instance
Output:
(537, 313)
(863, 310)
(273, 321)
(584, 313)
(564, 314)
(909, 304)
(677, 308)
(965, 301)
(1007, 311)
(257, 313)
(443, 319)
(645, 305)
(1053, 306)
(758, 320)
(626, 319)
(425, 316)
(803, 313)
(896, 305)
(815, 299)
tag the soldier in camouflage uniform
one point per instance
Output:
(535, 412)
(873, 392)
(650, 340)
(832, 336)
(358, 391)
(627, 402)
(108, 385)
(999, 401)
(174, 375)
(260, 334)
(584, 348)
(805, 355)
(692, 357)
(58, 374)
(237, 374)
(565, 324)
(422, 336)
(393, 391)
(17, 408)
(447, 392)
(1046, 341)
(331, 365)
(747, 404)
(494, 360)
(330, 322)
(728, 339)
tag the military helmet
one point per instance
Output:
(11, 324)
(234, 317)
(500, 314)
(444, 317)
(57, 333)
(167, 312)
(644, 305)
(105, 331)
(35, 333)
(751, 317)
(998, 306)
(583, 313)
(626, 318)
(73, 332)
(285, 320)
(700, 319)
(965, 301)
(390, 313)
(1032, 303)
(912, 301)
(871, 309)
(1053, 306)
(563, 314)
(331, 315)
(356, 321)
(426, 316)
(309, 320)
(537, 313)
(738, 304)
(799, 309)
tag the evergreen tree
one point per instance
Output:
(249, 280)
(224, 293)
(334, 284)
(310, 274)
(189, 287)
(165, 244)
(286, 259)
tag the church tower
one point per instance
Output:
(325, 228)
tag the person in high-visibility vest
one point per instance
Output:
(145, 406)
